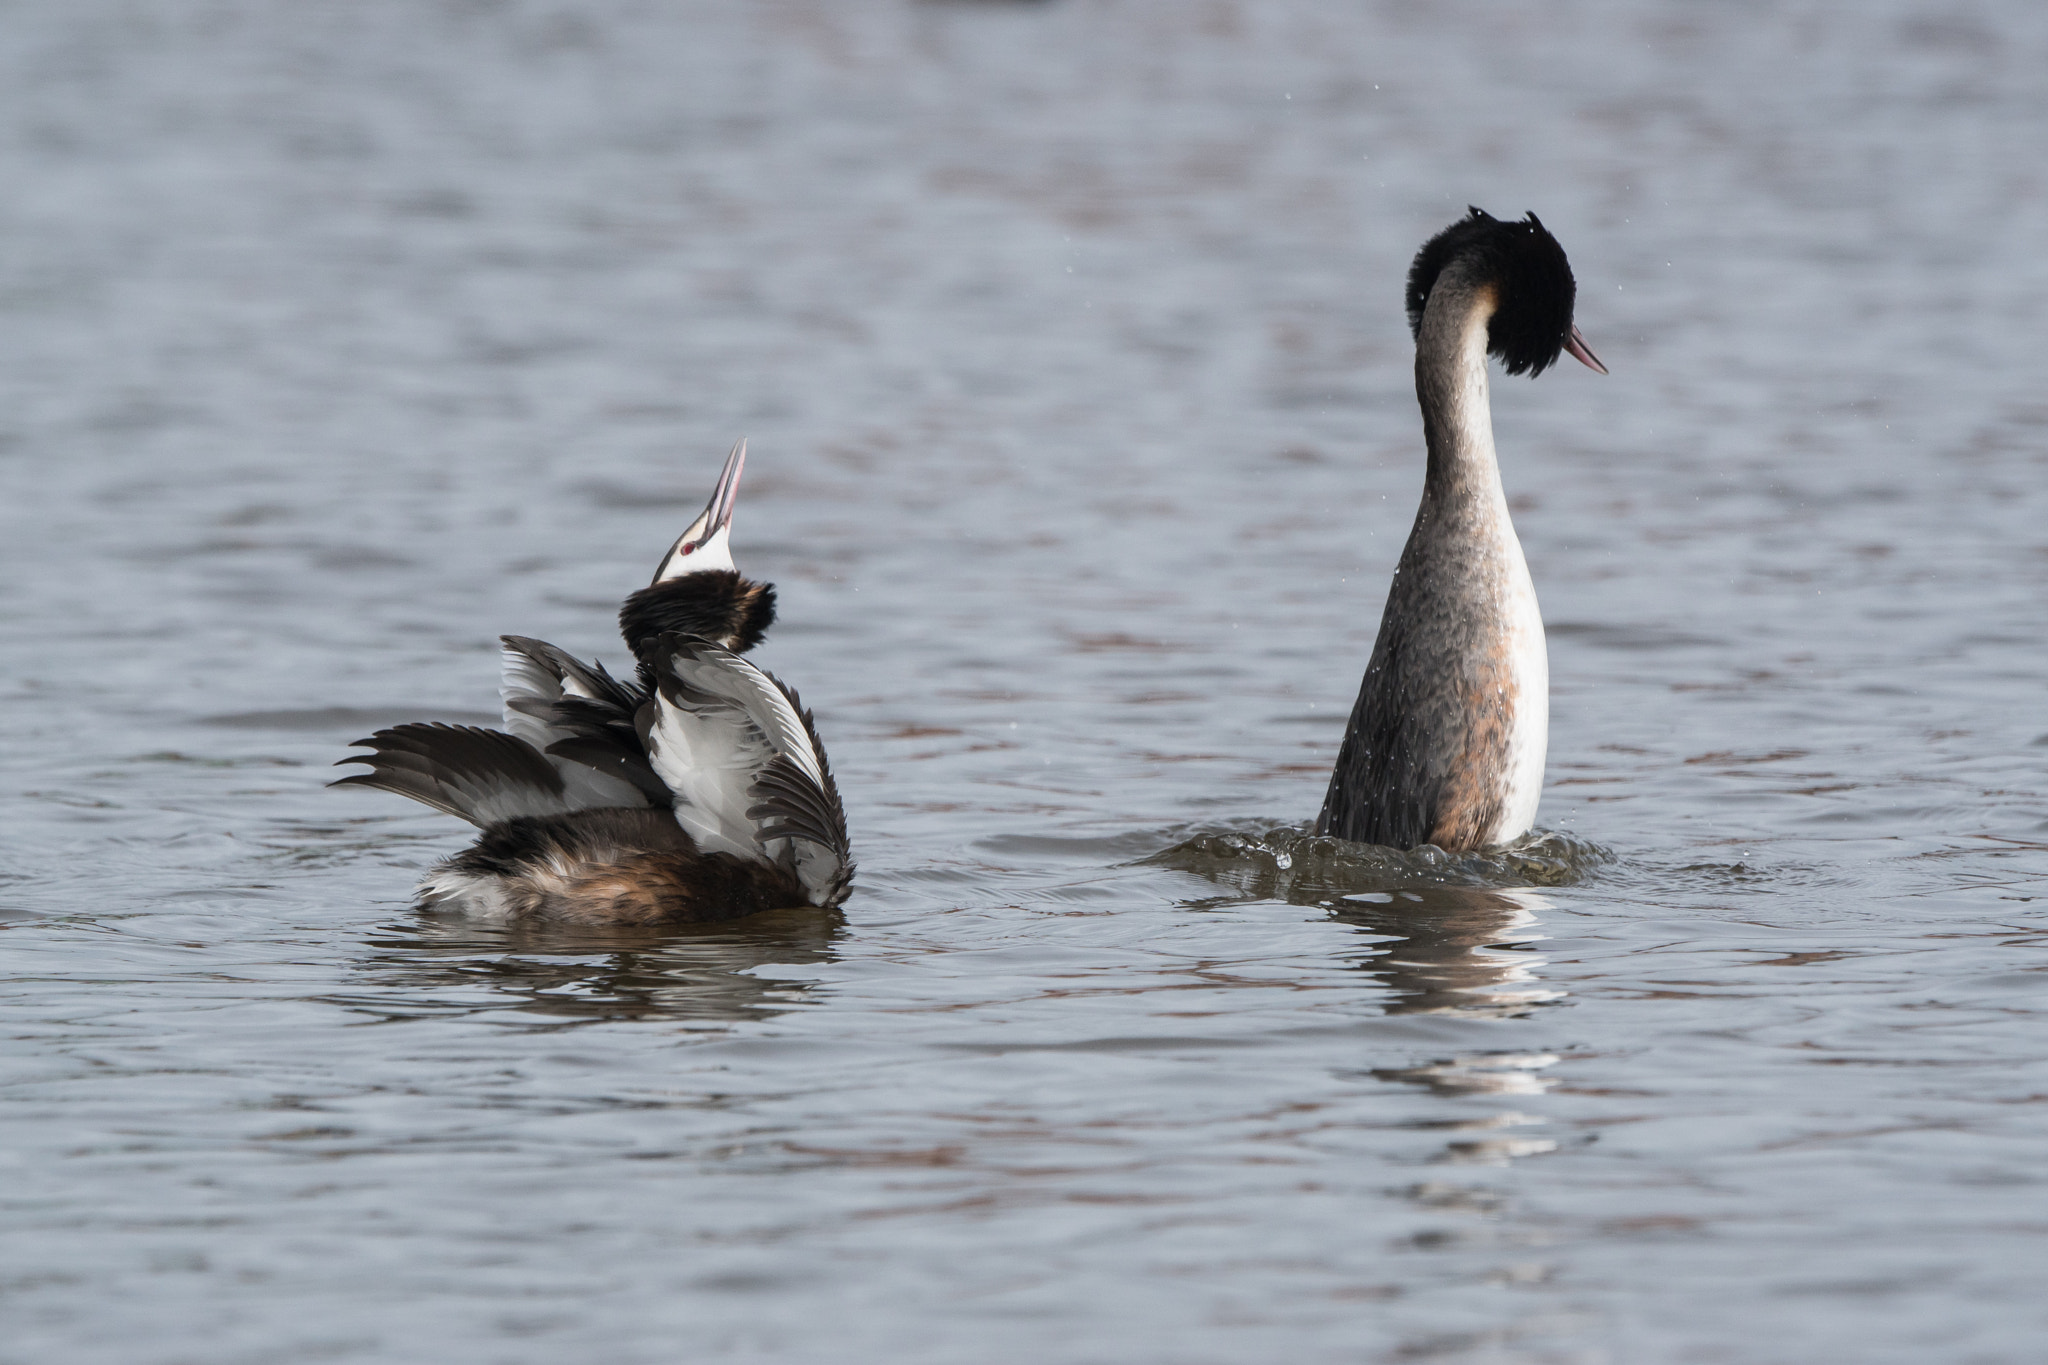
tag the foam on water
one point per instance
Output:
(1292, 864)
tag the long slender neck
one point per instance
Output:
(1450, 381)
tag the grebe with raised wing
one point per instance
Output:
(696, 791)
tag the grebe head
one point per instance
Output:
(697, 591)
(1531, 282)
(706, 545)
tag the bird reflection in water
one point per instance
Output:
(1439, 943)
(567, 974)
(1453, 949)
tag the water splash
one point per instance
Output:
(1262, 861)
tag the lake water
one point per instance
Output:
(337, 339)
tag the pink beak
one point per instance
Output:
(1581, 352)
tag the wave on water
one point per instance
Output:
(1261, 860)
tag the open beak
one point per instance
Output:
(704, 545)
(1581, 352)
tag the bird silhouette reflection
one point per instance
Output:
(1439, 943)
(568, 974)
(1454, 949)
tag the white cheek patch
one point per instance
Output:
(715, 553)
(706, 545)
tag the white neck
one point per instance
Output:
(1472, 508)
(1451, 383)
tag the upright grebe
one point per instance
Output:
(699, 792)
(1446, 743)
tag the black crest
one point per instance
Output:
(716, 604)
(1524, 263)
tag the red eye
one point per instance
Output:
(689, 549)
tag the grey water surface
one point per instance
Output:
(337, 339)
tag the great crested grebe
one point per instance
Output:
(698, 792)
(1446, 743)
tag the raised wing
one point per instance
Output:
(744, 761)
(482, 776)
(581, 718)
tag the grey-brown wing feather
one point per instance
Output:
(482, 776)
(582, 718)
(791, 805)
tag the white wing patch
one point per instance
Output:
(708, 750)
(535, 676)
(523, 678)
(747, 775)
